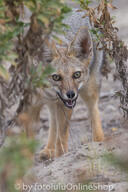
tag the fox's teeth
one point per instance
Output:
(70, 103)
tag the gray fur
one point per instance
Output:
(75, 21)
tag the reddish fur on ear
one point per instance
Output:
(84, 46)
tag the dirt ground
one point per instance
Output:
(84, 155)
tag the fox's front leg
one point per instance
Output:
(49, 150)
(90, 95)
(94, 115)
(63, 118)
(97, 131)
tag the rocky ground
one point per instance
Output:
(85, 163)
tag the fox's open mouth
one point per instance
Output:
(70, 103)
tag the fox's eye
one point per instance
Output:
(56, 77)
(77, 75)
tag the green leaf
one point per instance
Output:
(4, 73)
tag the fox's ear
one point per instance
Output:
(82, 45)
(50, 51)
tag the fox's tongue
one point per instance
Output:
(70, 102)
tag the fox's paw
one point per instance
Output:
(46, 154)
(99, 138)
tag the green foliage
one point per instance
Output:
(96, 34)
(116, 161)
(7, 33)
(84, 3)
(48, 13)
(39, 76)
(4, 73)
(15, 158)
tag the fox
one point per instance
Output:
(77, 63)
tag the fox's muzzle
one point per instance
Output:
(71, 101)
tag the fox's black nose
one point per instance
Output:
(70, 94)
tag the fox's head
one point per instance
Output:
(71, 68)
